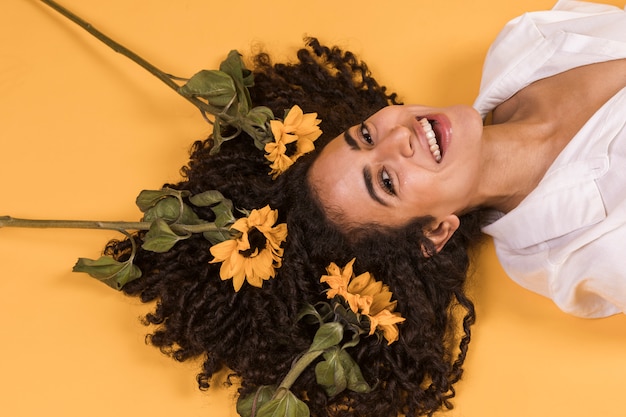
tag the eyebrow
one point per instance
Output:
(352, 143)
(367, 173)
(367, 176)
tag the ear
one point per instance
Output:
(440, 233)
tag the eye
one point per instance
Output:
(386, 183)
(365, 134)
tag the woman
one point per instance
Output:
(423, 296)
(553, 88)
(381, 183)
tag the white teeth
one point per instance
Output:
(432, 140)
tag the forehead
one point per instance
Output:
(334, 173)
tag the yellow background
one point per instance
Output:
(83, 130)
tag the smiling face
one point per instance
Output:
(401, 163)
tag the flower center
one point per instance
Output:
(257, 243)
(291, 148)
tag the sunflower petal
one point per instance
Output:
(222, 250)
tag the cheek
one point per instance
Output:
(419, 183)
(426, 193)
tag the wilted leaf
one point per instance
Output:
(160, 238)
(339, 372)
(260, 115)
(217, 87)
(354, 377)
(242, 77)
(223, 214)
(256, 124)
(113, 273)
(167, 209)
(287, 406)
(252, 402)
(207, 198)
(216, 236)
(330, 373)
(189, 216)
(149, 198)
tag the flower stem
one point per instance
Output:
(8, 221)
(295, 371)
(168, 79)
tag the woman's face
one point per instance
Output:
(401, 163)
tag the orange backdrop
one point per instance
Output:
(82, 130)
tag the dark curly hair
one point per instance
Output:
(253, 332)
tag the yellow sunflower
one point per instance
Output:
(256, 253)
(297, 127)
(365, 296)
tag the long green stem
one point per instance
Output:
(295, 371)
(161, 75)
(7, 221)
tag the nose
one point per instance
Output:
(397, 141)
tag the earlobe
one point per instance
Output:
(441, 232)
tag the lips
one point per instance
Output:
(443, 130)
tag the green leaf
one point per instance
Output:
(260, 115)
(328, 335)
(160, 238)
(242, 77)
(216, 236)
(223, 214)
(226, 90)
(166, 204)
(256, 124)
(251, 403)
(309, 310)
(149, 198)
(113, 273)
(330, 373)
(248, 77)
(339, 372)
(207, 198)
(287, 406)
(221, 206)
(354, 377)
(217, 87)
(190, 217)
(167, 209)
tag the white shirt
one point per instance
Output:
(567, 239)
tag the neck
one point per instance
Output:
(515, 159)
